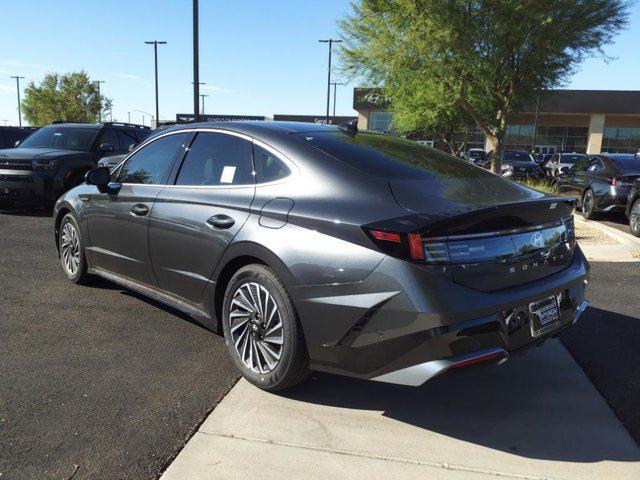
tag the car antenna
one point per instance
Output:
(349, 127)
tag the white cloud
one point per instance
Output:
(214, 89)
(125, 76)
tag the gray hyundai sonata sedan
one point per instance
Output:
(314, 247)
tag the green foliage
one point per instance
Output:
(439, 61)
(541, 185)
(71, 97)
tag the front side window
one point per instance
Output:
(126, 140)
(72, 138)
(151, 164)
(217, 159)
(110, 137)
(268, 167)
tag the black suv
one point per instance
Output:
(55, 158)
(10, 135)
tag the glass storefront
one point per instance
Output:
(621, 140)
(559, 139)
(381, 121)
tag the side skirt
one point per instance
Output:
(160, 296)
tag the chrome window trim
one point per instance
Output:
(294, 171)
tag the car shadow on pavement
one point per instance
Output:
(538, 406)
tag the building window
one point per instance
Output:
(380, 121)
(621, 140)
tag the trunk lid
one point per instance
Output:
(491, 234)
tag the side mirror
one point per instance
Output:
(132, 146)
(106, 147)
(17, 143)
(100, 177)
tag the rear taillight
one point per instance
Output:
(472, 248)
(616, 182)
(406, 245)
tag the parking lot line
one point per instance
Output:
(533, 417)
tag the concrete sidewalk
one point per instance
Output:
(535, 417)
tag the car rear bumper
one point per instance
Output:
(395, 327)
(614, 200)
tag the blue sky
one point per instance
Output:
(257, 57)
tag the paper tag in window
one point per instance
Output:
(227, 174)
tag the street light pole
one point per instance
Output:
(330, 41)
(129, 115)
(196, 66)
(19, 107)
(335, 90)
(202, 96)
(98, 82)
(155, 44)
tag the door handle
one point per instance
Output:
(140, 210)
(221, 221)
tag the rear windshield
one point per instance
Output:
(391, 157)
(73, 138)
(570, 158)
(517, 156)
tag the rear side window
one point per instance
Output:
(268, 166)
(110, 137)
(151, 164)
(126, 139)
(217, 159)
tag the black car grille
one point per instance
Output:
(16, 178)
(524, 170)
(14, 164)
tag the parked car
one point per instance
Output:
(477, 156)
(561, 163)
(601, 183)
(55, 159)
(519, 164)
(318, 247)
(10, 135)
(111, 161)
(632, 209)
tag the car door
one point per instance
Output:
(118, 219)
(568, 183)
(196, 217)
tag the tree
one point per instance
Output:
(487, 58)
(71, 97)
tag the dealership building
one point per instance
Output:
(591, 121)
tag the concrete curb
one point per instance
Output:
(621, 237)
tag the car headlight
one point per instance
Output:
(50, 164)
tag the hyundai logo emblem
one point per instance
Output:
(537, 239)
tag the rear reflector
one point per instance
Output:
(473, 361)
(389, 237)
(416, 248)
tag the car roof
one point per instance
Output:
(257, 126)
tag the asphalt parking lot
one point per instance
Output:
(96, 382)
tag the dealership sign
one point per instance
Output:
(190, 118)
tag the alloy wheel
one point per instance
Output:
(587, 202)
(256, 327)
(634, 218)
(70, 249)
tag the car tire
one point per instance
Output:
(588, 205)
(634, 218)
(71, 251)
(267, 345)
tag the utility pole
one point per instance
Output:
(196, 66)
(535, 123)
(129, 116)
(155, 44)
(335, 90)
(98, 82)
(330, 41)
(202, 96)
(19, 107)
